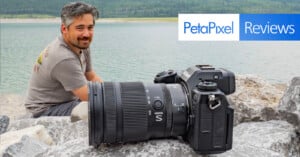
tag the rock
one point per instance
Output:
(260, 139)
(28, 146)
(270, 135)
(59, 128)
(12, 105)
(289, 106)
(37, 132)
(255, 99)
(264, 139)
(4, 121)
(157, 148)
(72, 140)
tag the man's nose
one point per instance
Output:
(86, 33)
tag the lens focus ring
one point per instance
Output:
(134, 111)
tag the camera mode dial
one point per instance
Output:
(207, 86)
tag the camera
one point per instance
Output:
(191, 105)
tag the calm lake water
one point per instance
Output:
(137, 51)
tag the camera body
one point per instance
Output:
(210, 119)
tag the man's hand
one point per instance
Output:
(92, 76)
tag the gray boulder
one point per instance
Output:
(59, 128)
(12, 105)
(4, 121)
(13, 143)
(289, 106)
(264, 139)
(260, 139)
(255, 99)
(263, 128)
(72, 140)
(28, 146)
(157, 148)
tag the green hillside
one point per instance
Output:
(151, 8)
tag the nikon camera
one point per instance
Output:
(191, 105)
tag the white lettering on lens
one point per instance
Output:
(158, 116)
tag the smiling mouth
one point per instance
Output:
(84, 41)
(84, 38)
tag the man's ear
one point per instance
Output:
(63, 28)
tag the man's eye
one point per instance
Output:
(79, 28)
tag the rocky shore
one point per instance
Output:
(266, 124)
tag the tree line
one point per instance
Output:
(152, 8)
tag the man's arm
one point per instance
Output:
(92, 76)
(81, 110)
(82, 92)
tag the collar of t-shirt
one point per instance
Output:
(63, 43)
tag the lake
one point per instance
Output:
(136, 51)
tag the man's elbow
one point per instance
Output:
(81, 93)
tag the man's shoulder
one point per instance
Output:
(58, 50)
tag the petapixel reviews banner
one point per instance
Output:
(238, 27)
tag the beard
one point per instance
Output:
(82, 43)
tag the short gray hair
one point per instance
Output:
(76, 9)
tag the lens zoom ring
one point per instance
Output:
(110, 130)
(134, 111)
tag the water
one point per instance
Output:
(137, 51)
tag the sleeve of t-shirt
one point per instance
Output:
(69, 73)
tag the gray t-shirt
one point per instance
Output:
(56, 73)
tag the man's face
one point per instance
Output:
(79, 34)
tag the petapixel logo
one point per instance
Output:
(236, 27)
(208, 27)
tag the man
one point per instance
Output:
(59, 79)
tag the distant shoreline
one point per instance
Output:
(101, 20)
(29, 20)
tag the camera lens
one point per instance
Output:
(135, 111)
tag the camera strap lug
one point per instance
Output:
(213, 102)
